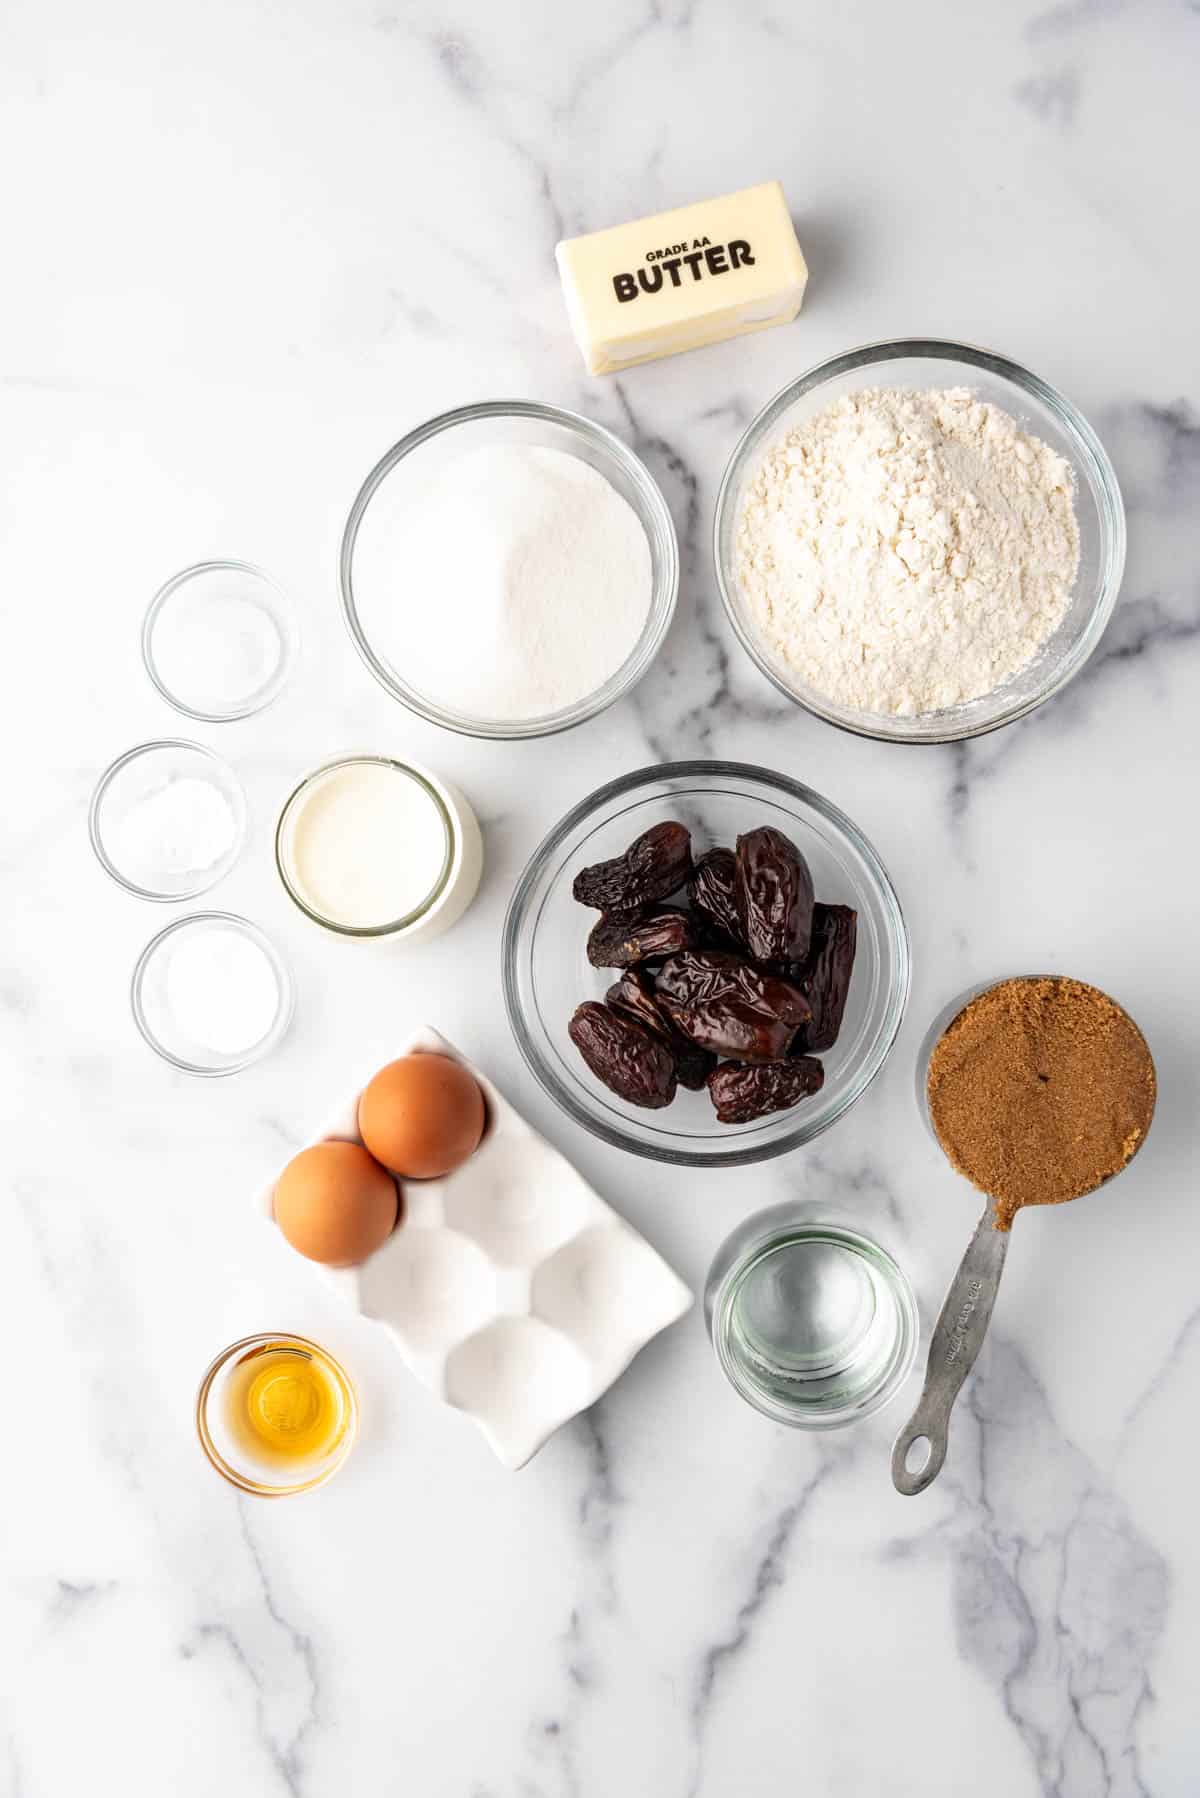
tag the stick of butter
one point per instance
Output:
(684, 278)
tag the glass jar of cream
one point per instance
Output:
(371, 847)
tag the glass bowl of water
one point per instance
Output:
(813, 1322)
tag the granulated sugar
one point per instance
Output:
(513, 584)
(905, 551)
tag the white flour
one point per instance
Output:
(515, 585)
(905, 551)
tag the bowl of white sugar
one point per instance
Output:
(211, 994)
(919, 541)
(509, 570)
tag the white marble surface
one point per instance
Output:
(248, 247)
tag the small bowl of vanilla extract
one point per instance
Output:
(276, 1415)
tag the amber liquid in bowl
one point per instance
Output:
(276, 1414)
(285, 1405)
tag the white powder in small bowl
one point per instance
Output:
(167, 819)
(512, 584)
(181, 828)
(210, 994)
(221, 990)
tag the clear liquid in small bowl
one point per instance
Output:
(815, 1325)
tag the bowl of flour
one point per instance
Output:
(509, 570)
(919, 541)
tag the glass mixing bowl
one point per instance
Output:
(1039, 409)
(371, 580)
(547, 974)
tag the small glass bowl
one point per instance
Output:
(193, 597)
(922, 363)
(228, 1456)
(419, 454)
(138, 775)
(152, 1011)
(547, 974)
(813, 1323)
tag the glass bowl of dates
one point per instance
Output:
(705, 963)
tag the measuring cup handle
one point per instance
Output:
(957, 1339)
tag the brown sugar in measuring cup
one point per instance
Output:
(1039, 1089)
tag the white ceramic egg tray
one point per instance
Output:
(511, 1289)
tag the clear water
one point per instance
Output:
(813, 1321)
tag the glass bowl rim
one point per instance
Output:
(663, 600)
(96, 835)
(1089, 451)
(897, 996)
(289, 640)
(453, 843)
(244, 1482)
(283, 974)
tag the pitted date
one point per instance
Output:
(716, 976)
(634, 993)
(655, 864)
(774, 893)
(741, 1093)
(721, 1003)
(825, 977)
(731, 987)
(619, 942)
(711, 891)
(731, 1027)
(632, 1063)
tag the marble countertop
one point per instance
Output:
(249, 248)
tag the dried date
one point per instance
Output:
(825, 977)
(655, 864)
(693, 1064)
(749, 967)
(714, 976)
(729, 1027)
(620, 942)
(632, 1063)
(634, 993)
(711, 891)
(722, 1004)
(774, 893)
(741, 1093)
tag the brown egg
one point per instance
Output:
(335, 1204)
(422, 1116)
